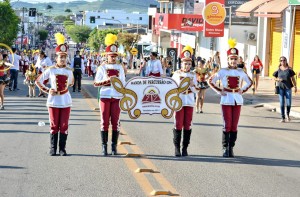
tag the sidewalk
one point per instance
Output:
(264, 97)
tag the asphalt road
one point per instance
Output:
(267, 161)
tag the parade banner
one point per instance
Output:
(150, 95)
(214, 15)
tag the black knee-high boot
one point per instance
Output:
(114, 142)
(186, 141)
(104, 138)
(225, 143)
(176, 141)
(232, 139)
(62, 144)
(53, 144)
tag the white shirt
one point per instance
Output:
(231, 97)
(102, 76)
(16, 60)
(58, 101)
(43, 64)
(187, 99)
(154, 66)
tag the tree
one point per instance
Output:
(68, 23)
(68, 10)
(49, 7)
(43, 34)
(79, 34)
(97, 37)
(59, 19)
(8, 28)
(128, 40)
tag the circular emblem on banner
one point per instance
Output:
(113, 48)
(63, 48)
(214, 13)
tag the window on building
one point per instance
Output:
(92, 19)
(98, 16)
(112, 17)
(127, 18)
(141, 18)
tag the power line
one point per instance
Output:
(130, 3)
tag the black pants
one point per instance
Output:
(77, 78)
(13, 79)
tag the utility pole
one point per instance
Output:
(22, 27)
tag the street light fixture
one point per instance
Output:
(114, 20)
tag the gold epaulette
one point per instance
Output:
(50, 67)
(68, 68)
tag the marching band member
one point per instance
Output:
(184, 117)
(154, 67)
(4, 79)
(231, 97)
(59, 100)
(109, 97)
(30, 77)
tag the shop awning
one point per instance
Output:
(248, 7)
(272, 9)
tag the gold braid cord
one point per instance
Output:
(126, 103)
(173, 100)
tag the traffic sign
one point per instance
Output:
(133, 51)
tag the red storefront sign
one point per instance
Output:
(180, 22)
(214, 15)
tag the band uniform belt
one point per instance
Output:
(62, 92)
(231, 90)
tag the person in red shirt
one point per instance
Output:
(256, 67)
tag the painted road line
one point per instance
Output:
(132, 165)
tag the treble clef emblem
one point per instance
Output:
(129, 100)
(173, 100)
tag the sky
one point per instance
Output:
(47, 1)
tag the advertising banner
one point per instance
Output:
(180, 22)
(214, 15)
(150, 95)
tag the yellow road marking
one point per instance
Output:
(141, 179)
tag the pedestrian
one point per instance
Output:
(109, 97)
(241, 64)
(184, 117)
(202, 74)
(154, 67)
(231, 97)
(59, 100)
(30, 77)
(77, 65)
(143, 67)
(4, 79)
(285, 78)
(14, 71)
(124, 64)
(256, 68)
(216, 62)
(94, 67)
(42, 63)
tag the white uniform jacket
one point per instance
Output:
(231, 80)
(60, 79)
(154, 66)
(102, 80)
(42, 64)
(187, 97)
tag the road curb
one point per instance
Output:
(277, 109)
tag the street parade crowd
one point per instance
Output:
(54, 77)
